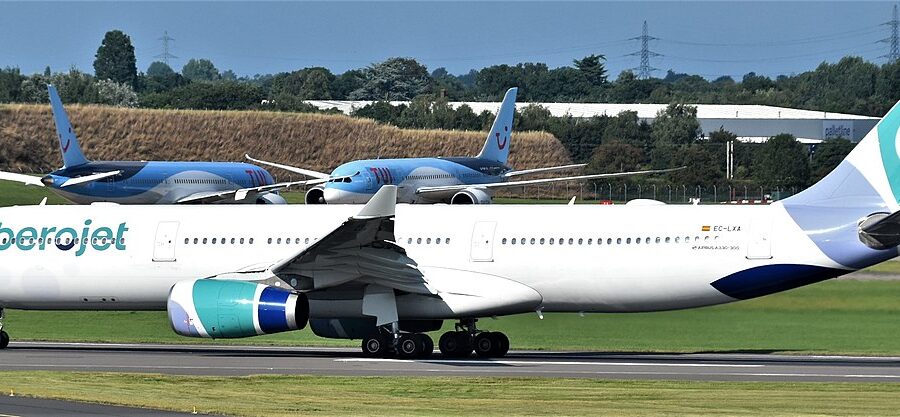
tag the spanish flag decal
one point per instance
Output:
(705, 228)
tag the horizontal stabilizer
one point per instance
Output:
(301, 171)
(880, 230)
(23, 178)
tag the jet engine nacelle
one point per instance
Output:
(315, 195)
(270, 198)
(471, 196)
(218, 308)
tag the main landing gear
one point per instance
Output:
(4, 337)
(404, 345)
(467, 338)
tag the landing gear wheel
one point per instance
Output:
(486, 345)
(4, 339)
(375, 346)
(455, 345)
(426, 344)
(409, 346)
(502, 344)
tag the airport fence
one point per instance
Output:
(613, 192)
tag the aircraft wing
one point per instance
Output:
(88, 178)
(27, 179)
(498, 185)
(241, 193)
(301, 171)
(541, 170)
(362, 249)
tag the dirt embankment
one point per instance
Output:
(319, 142)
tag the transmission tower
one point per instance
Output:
(893, 40)
(166, 56)
(644, 70)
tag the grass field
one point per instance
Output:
(456, 396)
(835, 317)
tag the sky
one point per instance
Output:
(706, 38)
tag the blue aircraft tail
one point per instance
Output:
(68, 143)
(496, 147)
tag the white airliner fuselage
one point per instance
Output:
(573, 258)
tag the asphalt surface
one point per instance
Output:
(239, 360)
(39, 407)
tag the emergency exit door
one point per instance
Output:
(759, 243)
(483, 242)
(164, 246)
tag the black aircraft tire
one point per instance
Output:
(455, 345)
(375, 346)
(409, 346)
(4, 339)
(502, 344)
(486, 345)
(427, 345)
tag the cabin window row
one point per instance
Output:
(608, 241)
(199, 181)
(61, 241)
(218, 241)
(427, 241)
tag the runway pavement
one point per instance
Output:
(239, 360)
(39, 407)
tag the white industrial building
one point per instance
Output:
(751, 123)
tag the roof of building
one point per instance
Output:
(644, 111)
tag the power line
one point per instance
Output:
(893, 40)
(166, 56)
(644, 69)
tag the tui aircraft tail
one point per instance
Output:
(68, 143)
(496, 147)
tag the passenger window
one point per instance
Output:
(251, 241)
(186, 241)
(542, 241)
(428, 241)
(532, 241)
(514, 241)
(297, 241)
(409, 241)
(242, 241)
(270, 241)
(609, 241)
(706, 239)
(667, 239)
(658, 240)
(580, 241)
(638, 240)
(278, 241)
(590, 240)
(647, 239)
(438, 241)
(419, 241)
(195, 241)
(628, 241)
(214, 241)
(223, 240)
(618, 241)
(447, 241)
(551, 240)
(306, 240)
(204, 241)
(677, 239)
(232, 241)
(573, 240)
(504, 241)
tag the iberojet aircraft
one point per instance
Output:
(387, 273)
(459, 180)
(132, 182)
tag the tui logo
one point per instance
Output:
(502, 145)
(66, 146)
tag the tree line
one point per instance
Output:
(608, 143)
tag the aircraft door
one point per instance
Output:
(759, 238)
(164, 246)
(483, 242)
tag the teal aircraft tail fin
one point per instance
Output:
(496, 147)
(68, 143)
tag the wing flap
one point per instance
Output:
(301, 171)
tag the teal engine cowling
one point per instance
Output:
(229, 309)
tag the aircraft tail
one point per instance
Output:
(496, 147)
(848, 213)
(68, 142)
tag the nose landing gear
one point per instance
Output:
(467, 338)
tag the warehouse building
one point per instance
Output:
(751, 123)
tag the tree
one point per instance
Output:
(160, 77)
(115, 59)
(677, 124)
(782, 161)
(828, 155)
(200, 70)
(393, 79)
(159, 69)
(116, 94)
(593, 68)
(615, 156)
(226, 95)
(10, 85)
(627, 128)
